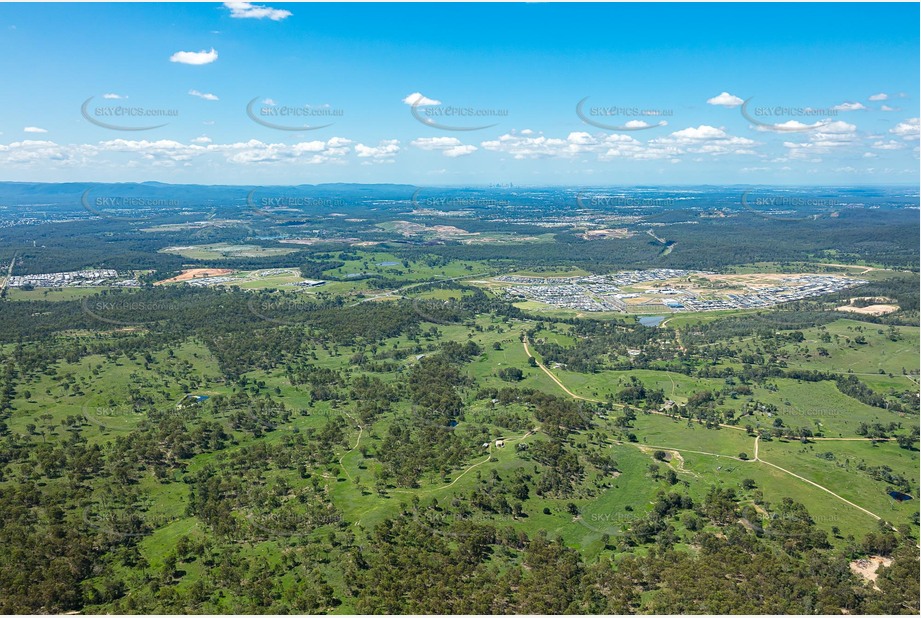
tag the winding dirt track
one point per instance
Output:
(756, 459)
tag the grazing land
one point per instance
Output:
(261, 424)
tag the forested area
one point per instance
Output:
(405, 439)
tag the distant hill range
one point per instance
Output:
(35, 193)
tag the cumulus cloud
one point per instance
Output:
(525, 146)
(848, 106)
(826, 138)
(417, 98)
(788, 126)
(886, 108)
(435, 143)
(703, 139)
(248, 152)
(882, 96)
(112, 95)
(34, 130)
(42, 152)
(194, 58)
(382, 153)
(888, 145)
(907, 130)
(246, 10)
(702, 132)
(528, 145)
(642, 124)
(448, 146)
(207, 96)
(459, 151)
(725, 99)
(171, 153)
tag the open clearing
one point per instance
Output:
(196, 273)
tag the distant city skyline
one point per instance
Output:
(451, 95)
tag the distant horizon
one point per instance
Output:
(469, 186)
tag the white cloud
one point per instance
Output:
(34, 130)
(40, 153)
(526, 147)
(869, 155)
(154, 150)
(246, 10)
(848, 106)
(882, 96)
(382, 153)
(838, 127)
(207, 96)
(704, 139)
(112, 95)
(702, 132)
(521, 145)
(203, 139)
(726, 100)
(827, 137)
(642, 124)
(417, 98)
(886, 108)
(268, 102)
(888, 145)
(435, 143)
(789, 126)
(449, 146)
(907, 130)
(459, 151)
(249, 152)
(195, 58)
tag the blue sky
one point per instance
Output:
(832, 93)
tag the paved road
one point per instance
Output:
(9, 273)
